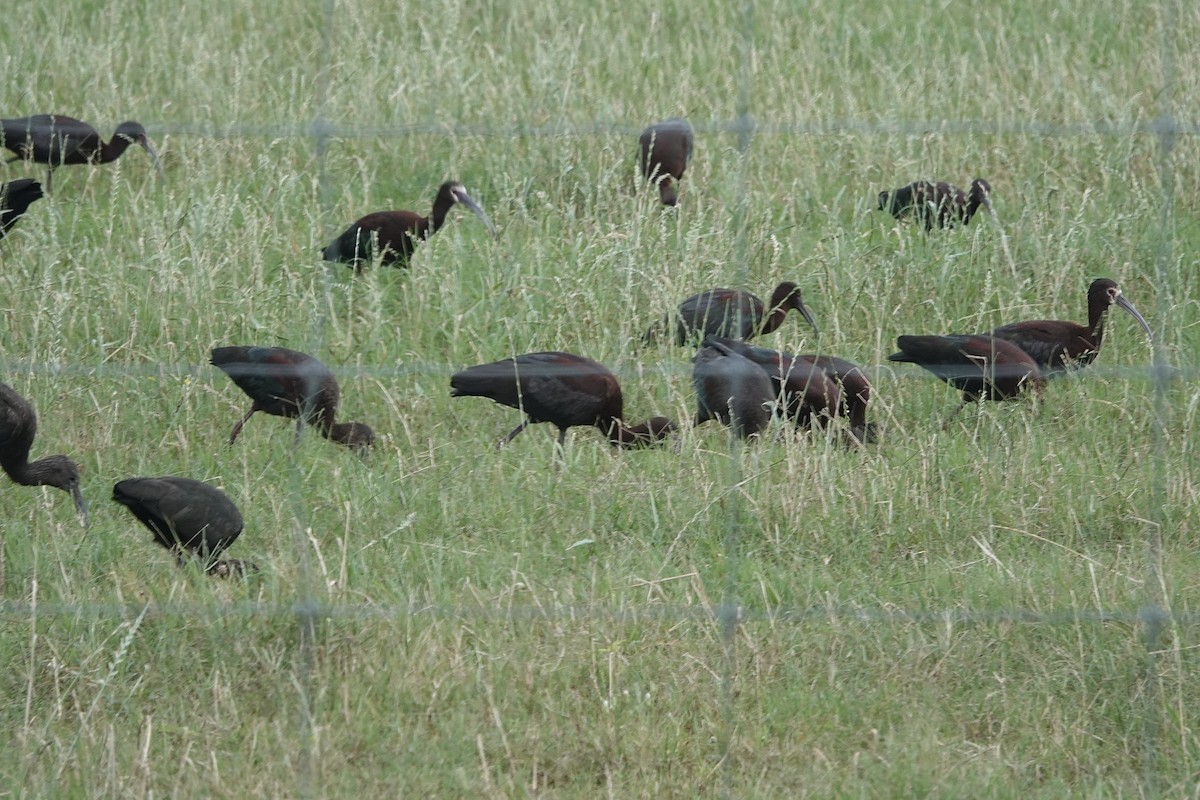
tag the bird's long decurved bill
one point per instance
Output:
(80, 504)
(149, 148)
(466, 200)
(808, 317)
(1133, 312)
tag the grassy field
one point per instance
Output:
(954, 612)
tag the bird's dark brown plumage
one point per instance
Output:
(18, 426)
(808, 396)
(397, 233)
(732, 389)
(732, 313)
(1058, 345)
(55, 140)
(15, 199)
(664, 150)
(288, 383)
(187, 517)
(564, 389)
(981, 366)
(941, 202)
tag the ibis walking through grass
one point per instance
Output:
(288, 383)
(731, 313)
(55, 140)
(981, 366)
(564, 389)
(188, 517)
(941, 202)
(396, 233)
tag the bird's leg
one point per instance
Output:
(299, 428)
(512, 435)
(238, 427)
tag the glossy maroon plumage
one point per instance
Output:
(291, 384)
(15, 199)
(397, 232)
(1059, 345)
(808, 395)
(18, 426)
(941, 201)
(564, 389)
(732, 313)
(983, 367)
(855, 392)
(54, 140)
(664, 149)
(187, 517)
(731, 389)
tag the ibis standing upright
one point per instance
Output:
(396, 233)
(54, 140)
(665, 149)
(1058, 345)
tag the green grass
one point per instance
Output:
(952, 613)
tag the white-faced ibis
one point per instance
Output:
(18, 425)
(560, 388)
(732, 313)
(398, 232)
(808, 395)
(941, 201)
(188, 518)
(732, 389)
(982, 366)
(291, 384)
(15, 198)
(665, 149)
(1058, 345)
(54, 140)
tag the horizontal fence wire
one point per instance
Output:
(624, 614)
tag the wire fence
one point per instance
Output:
(1153, 617)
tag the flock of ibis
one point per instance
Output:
(736, 384)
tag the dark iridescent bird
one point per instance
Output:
(15, 198)
(18, 425)
(732, 313)
(1058, 345)
(665, 149)
(291, 384)
(941, 201)
(807, 394)
(731, 389)
(189, 518)
(398, 232)
(563, 389)
(54, 140)
(855, 391)
(982, 366)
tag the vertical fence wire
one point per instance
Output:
(1156, 615)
